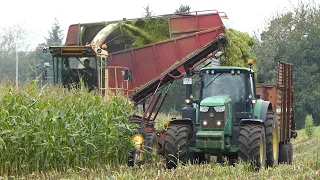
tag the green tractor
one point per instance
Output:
(228, 121)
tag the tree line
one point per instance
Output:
(14, 44)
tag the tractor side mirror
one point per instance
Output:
(260, 77)
(44, 50)
(127, 74)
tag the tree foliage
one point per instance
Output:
(148, 13)
(238, 49)
(293, 37)
(183, 8)
(18, 38)
(55, 34)
(15, 39)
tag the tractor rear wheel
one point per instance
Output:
(140, 126)
(272, 139)
(290, 152)
(150, 142)
(176, 145)
(252, 144)
(133, 155)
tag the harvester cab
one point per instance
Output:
(71, 64)
(89, 64)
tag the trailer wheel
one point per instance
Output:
(176, 145)
(272, 139)
(252, 145)
(290, 152)
(283, 153)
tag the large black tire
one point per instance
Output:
(283, 153)
(252, 144)
(150, 142)
(176, 145)
(140, 126)
(140, 129)
(290, 152)
(131, 160)
(272, 139)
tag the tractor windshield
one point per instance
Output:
(69, 70)
(224, 84)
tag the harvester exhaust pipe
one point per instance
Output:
(188, 87)
(188, 111)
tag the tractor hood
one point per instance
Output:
(215, 101)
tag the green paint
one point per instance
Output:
(232, 148)
(228, 121)
(196, 106)
(257, 108)
(210, 139)
(225, 68)
(214, 101)
(207, 144)
(214, 134)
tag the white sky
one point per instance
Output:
(246, 15)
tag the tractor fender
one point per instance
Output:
(251, 121)
(265, 106)
(187, 121)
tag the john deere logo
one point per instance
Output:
(211, 115)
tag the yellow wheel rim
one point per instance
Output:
(261, 150)
(275, 143)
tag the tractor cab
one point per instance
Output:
(227, 93)
(221, 86)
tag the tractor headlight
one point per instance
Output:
(219, 108)
(205, 123)
(218, 123)
(187, 101)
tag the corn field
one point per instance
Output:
(51, 128)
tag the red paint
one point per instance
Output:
(150, 61)
(71, 39)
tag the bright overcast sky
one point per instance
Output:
(246, 15)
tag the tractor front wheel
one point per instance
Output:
(252, 144)
(176, 145)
